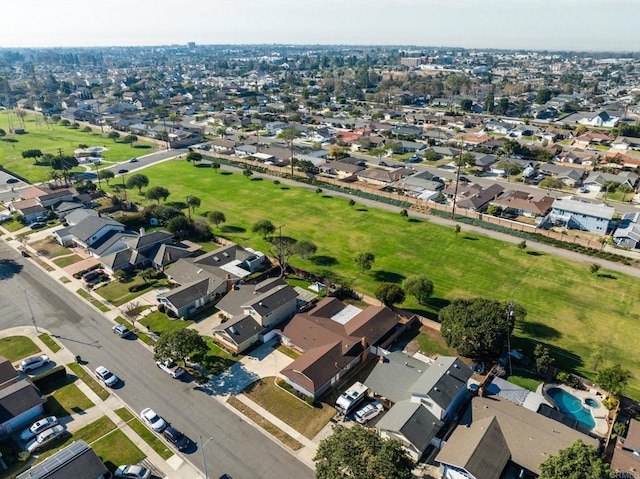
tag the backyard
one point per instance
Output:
(570, 310)
(48, 138)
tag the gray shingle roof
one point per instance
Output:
(91, 225)
(413, 421)
(241, 329)
(77, 460)
(18, 398)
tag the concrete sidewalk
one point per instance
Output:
(175, 467)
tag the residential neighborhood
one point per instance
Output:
(204, 248)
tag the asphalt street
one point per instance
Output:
(237, 448)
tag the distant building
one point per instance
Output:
(573, 213)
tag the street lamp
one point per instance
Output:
(204, 459)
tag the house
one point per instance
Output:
(626, 143)
(625, 462)
(20, 401)
(627, 234)
(423, 185)
(423, 393)
(569, 176)
(382, 177)
(572, 213)
(333, 338)
(77, 460)
(600, 119)
(95, 233)
(254, 310)
(31, 213)
(473, 197)
(207, 277)
(341, 169)
(523, 203)
(496, 435)
(597, 180)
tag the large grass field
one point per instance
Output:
(572, 311)
(48, 138)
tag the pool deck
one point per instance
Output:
(600, 413)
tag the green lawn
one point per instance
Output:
(305, 419)
(48, 139)
(13, 225)
(64, 398)
(124, 414)
(15, 348)
(89, 380)
(430, 342)
(50, 343)
(67, 260)
(151, 438)
(117, 292)
(217, 359)
(142, 336)
(159, 323)
(572, 311)
(526, 380)
(102, 307)
(117, 449)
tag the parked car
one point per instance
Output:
(92, 275)
(12, 180)
(37, 225)
(106, 376)
(176, 438)
(123, 171)
(35, 362)
(368, 412)
(383, 163)
(132, 472)
(46, 437)
(171, 368)
(133, 160)
(38, 426)
(121, 330)
(156, 422)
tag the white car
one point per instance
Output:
(38, 426)
(34, 363)
(106, 376)
(46, 437)
(156, 422)
(368, 412)
(133, 472)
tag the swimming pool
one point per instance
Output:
(571, 406)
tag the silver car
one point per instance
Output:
(38, 426)
(106, 376)
(46, 437)
(35, 362)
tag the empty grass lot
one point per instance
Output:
(49, 138)
(571, 311)
(305, 419)
(15, 348)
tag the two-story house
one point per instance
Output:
(570, 212)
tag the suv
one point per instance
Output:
(368, 412)
(34, 363)
(176, 438)
(121, 330)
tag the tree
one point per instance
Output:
(130, 139)
(64, 163)
(137, 181)
(364, 261)
(194, 156)
(625, 190)
(457, 230)
(147, 274)
(418, 286)
(179, 226)
(613, 379)
(179, 344)
(594, 268)
(114, 135)
(352, 202)
(193, 202)
(542, 358)
(283, 249)
(290, 134)
(216, 166)
(578, 461)
(478, 327)
(543, 96)
(157, 193)
(509, 167)
(31, 153)
(105, 175)
(522, 245)
(264, 227)
(247, 172)
(551, 183)
(466, 104)
(358, 453)
(216, 217)
(389, 294)
(305, 248)
(131, 311)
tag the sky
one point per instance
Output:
(585, 25)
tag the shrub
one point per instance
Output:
(54, 374)
(610, 403)
(161, 308)
(137, 287)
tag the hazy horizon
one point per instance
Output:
(559, 25)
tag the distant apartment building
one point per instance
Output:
(411, 62)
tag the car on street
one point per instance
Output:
(106, 376)
(37, 225)
(132, 472)
(123, 171)
(368, 412)
(133, 160)
(12, 180)
(171, 368)
(46, 437)
(38, 426)
(154, 421)
(121, 330)
(35, 362)
(383, 163)
(176, 438)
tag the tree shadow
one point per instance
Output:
(563, 359)
(438, 303)
(9, 268)
(361, 209)
(226, 173)
(538, 330)
(607, 276)
(233, 229)
(322, 260)
(535, 253)
(181, 205)
(142, 147)
(9, 140)
(387, 276)
(256, 179)
(470, 238)
(414, 220)
(327, 196)
(284, 188)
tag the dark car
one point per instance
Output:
(37, 225)
(123, 171)
(176, 438)
(12, 180)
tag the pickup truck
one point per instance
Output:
(171, 368)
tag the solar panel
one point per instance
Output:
(58, 460)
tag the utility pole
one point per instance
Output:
(455, 193)
(204, 459)
(510, 315)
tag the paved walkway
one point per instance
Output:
(174, 467)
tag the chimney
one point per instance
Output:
(229, 283)
(365, 347)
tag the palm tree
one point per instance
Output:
(290, 134)
(193, 202)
